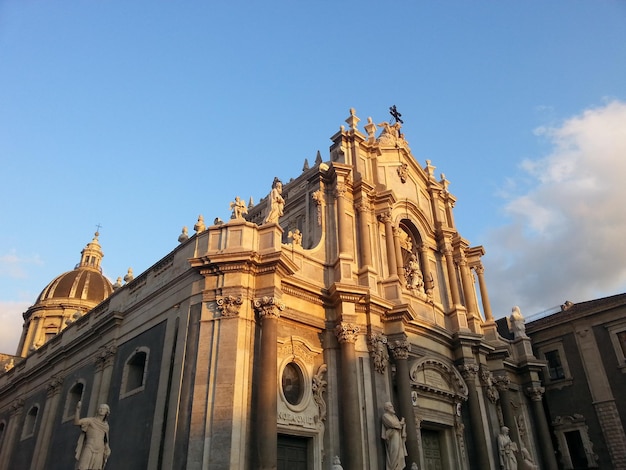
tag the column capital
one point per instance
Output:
(268, 307)
(105, 355)
(16, 406)
(400, 349)
(469, 371)
(347, 332)
(535, 393)
(229, 305)
(502, 382)
(385, 217)
(54, 386)
(479, 268)
(340, 190)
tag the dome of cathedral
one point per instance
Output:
(85, 283)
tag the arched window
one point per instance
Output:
(3, 426)
(30, 422)
(134, 377)
(74, 395)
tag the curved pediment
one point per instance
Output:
(434, 376)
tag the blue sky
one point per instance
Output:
(140, 115)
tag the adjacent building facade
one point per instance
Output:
(275, 339)
(584, 346)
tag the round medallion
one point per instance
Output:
(293, 383)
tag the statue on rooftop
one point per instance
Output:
(276, 201)
(517, 323)
(92, 450)
(199, 227)
(239, 208)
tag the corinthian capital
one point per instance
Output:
(469, 371)
(54, 386)
(229, 305)
(385, 217)
(535, 393)
(502, 382)
(268, 307)
(347, 332)
(400, 348)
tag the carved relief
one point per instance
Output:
(437, 378)
(296, 237)
(229, 305)
(318, 387)
(318, 197)
(54, 386)
(486, 379)
(377, 345)
(403, 171)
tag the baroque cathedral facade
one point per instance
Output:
(276, 339)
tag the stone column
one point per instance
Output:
(398, 251)
(102, 382)
(547, 451)
(454, 288)
(47, 422)
(364, 233)
(351, 410)
(16, 411)
(480, 271)
(389, 243)
(341, 222)
(400, 351)
(469, 372)
(429, 283)
(502, 384)
(269, 309)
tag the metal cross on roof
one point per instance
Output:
(395, 114)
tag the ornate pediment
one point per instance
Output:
(433, 376)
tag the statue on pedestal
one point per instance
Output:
(394, 435)
(506, 450)
(92, 450)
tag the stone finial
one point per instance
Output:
(239, 209)
(218, 221)
(250, 203)
(370, 128)
(352, 121)
(305, 167)
(318, 158)
(129, 276)
(184, 236)
(200, 227)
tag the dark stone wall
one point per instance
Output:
(65, 433)
(132, 417)
(23, 450)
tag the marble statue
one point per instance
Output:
(199, 227)
(277, 203)
(337, 463)
(184, 236)
(517, 323)
(92, 450)
(527, 462)
(239, 208)
(506, 450)
(414, 277)
(296, 237)
(394, 435)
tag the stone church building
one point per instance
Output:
(275, 339)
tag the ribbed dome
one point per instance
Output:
(86, 282)
(81, 284)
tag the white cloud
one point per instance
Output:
(15, 267)
(567, 236)
(11, 321)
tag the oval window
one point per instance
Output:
(293, 383)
